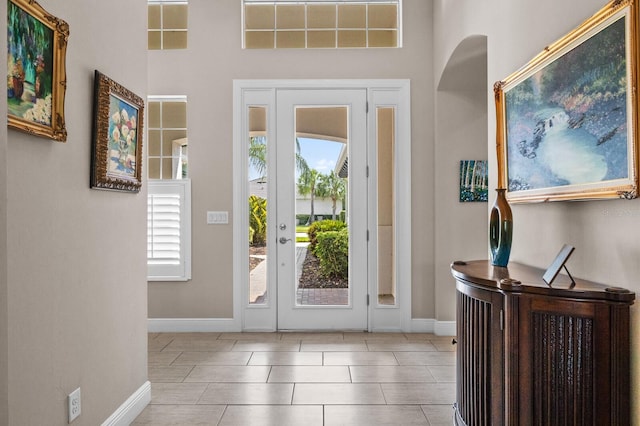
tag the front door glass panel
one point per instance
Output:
(385, 141)
(321, 212)
(258, 194)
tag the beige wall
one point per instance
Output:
(76, 268)
(461, 228)
(4, 305)
(605, 233)
(205, 74)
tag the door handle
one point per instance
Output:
(284, 240)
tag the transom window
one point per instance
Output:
(167, 137)
(167, 24)
(316, 24)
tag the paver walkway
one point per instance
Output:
(322, 296)
(304, 296)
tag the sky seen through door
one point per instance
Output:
(319, 154)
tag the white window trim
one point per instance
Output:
(182, 271)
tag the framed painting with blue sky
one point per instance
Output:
(566, 122)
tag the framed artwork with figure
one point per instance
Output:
(36, 74)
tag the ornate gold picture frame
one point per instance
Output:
(36, 75)
(116, 160)
(567, 121)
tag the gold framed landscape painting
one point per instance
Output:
(36, 75)
(116, 160)
(567, 121)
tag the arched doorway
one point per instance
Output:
(461, 132)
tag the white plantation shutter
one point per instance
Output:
(169, 230)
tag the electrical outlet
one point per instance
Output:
(75, 408)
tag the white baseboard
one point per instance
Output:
(131, 408)
(185, 325)
(422, 325)
(227, 325)
(445, 328)
(387, 330)
(428, 325)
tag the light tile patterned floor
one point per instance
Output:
(300, 379)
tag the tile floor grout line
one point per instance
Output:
(202, 394)
(185, 377)
(396, 358)
(383, 395)
(165, 346)
(269, 375)
(223, 413)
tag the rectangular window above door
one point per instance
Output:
(325, 24)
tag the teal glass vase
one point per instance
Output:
(500, 230)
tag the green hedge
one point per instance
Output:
(332, 250)
(302, 219)
(322, 226)
(257, 220)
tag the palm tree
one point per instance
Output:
(334, 187)
(258, 156)
(309, 184)
(301, 163)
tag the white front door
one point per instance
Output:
(274, 123)
(316, 301)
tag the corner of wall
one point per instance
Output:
(4, 304)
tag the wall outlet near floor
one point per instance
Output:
(75, 407)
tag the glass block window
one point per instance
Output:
(319, 24)
(167, 137)
(167, 25)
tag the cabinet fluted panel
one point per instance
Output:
(562, 366)
(473, 322)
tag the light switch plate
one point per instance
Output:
(217, 218)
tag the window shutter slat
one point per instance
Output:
(168, 229)
(164, 216)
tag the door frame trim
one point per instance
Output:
(354, 314)
(381, 318)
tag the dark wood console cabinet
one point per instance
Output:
(531, 354)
